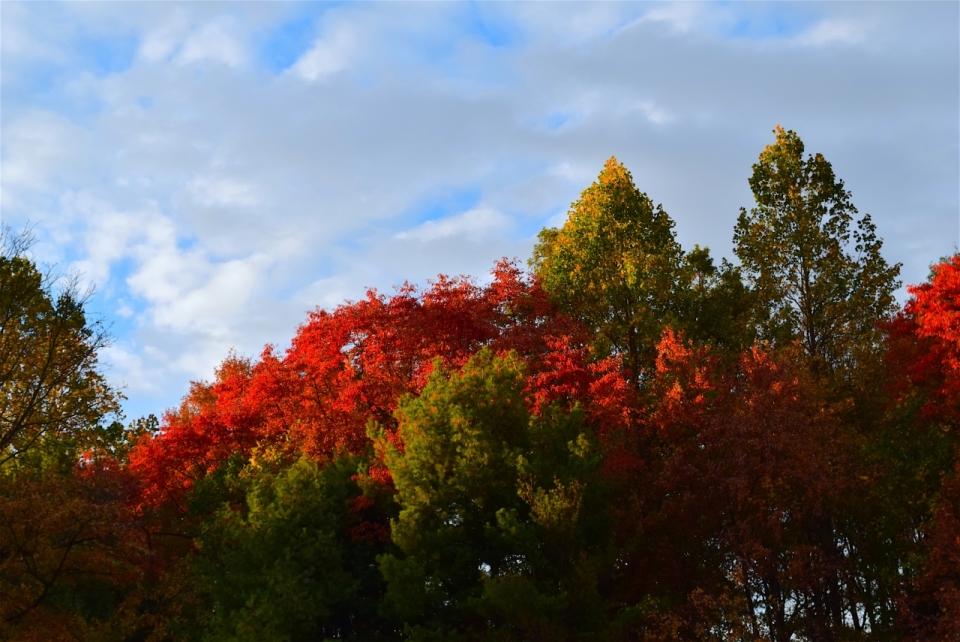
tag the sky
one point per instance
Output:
(216, 170)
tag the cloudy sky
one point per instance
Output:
(219, 169)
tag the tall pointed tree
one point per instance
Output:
(615, 264)
(815, 278)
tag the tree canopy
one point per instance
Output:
(815, 279)
(51, 386)
(615, 265)
(629, 442)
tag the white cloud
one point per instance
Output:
(127, 370)
(328, 293)
(576, 22)
(212, 304)
(36, 147)
(184, 289)
(16, 42)
(474, 224)
(680, 17)
(327, 56)
(224, 192)
(580, 174)
(834, 30)
(160, 42)
(216, 40)
(213, 42)
(653, 113)
(164, 272)
(106, 235)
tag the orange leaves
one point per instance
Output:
(350, 366)
(63, 539)
(744, 471)
(937, 306)
(923, 341)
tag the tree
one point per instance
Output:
(50, 384)
(935, 314)
(501, 526)
(924, 369)
(794, 247)
(70, 548)
(616, 265)
(716, 304)
(731, 516)
(281, 564)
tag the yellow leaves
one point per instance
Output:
(555, 509)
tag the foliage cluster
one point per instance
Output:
(627, 442)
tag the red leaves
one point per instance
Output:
(937, 306)
(936, 309)
(350, 366)
(212, 423)
(745, 470)
(564, 376)
(924, 368)
(924, 346)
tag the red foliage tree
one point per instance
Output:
(350, 366)
(924, 346)
(735, 511)
(924, 360)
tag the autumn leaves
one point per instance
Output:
(627, 442)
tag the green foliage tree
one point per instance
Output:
(616, 265)
(794, 247)
(500, 522)
(716, 303)
(280, 564)
(820, 282)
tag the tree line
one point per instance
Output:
(625, 441)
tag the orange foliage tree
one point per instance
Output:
(745, 470)
(350, 366)
(925, 368)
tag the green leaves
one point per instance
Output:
(50, 384)
(461, 439)
(615, 264)
(815, 279)
(278, 566)
(496, 504)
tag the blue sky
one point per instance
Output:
(216, 170)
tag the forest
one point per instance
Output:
(620, 439)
